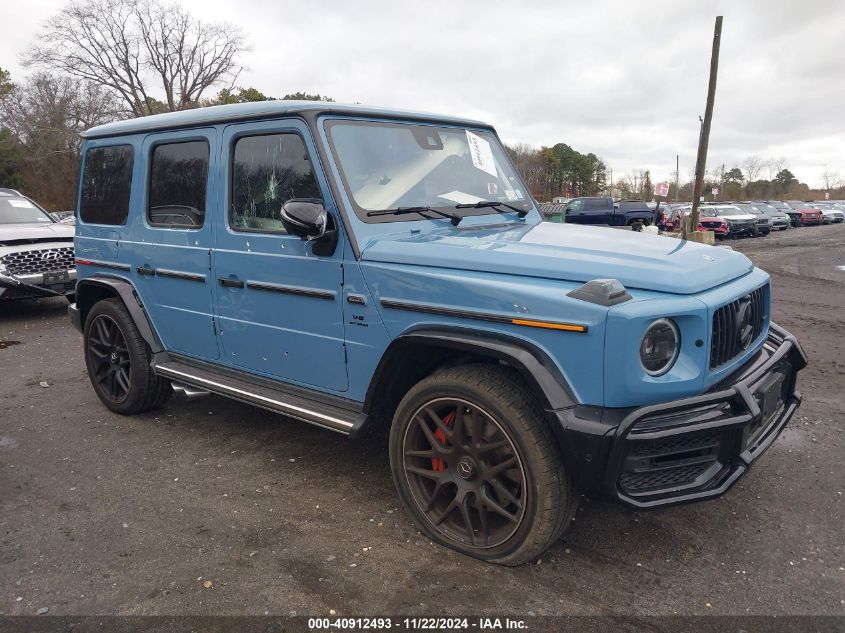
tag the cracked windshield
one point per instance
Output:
(389, 166)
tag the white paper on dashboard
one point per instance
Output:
(460, 197)
(22, 204)
(481, 154)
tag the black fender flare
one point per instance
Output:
(532, 362)
(125, 291)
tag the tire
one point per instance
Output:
(501, 464)
(118, 361)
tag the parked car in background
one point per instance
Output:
(764, 222)
(831, 212)
(603, 210)
(806, 215)
(781, 206)
(740, 223)
(709, 220)
(780, 219)
(36, 251)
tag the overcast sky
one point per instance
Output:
(624, 79)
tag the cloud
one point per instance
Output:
(624, 80)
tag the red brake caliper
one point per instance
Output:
(437, 464)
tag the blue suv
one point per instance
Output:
(360, 268)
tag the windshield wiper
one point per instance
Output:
(455, 219)
(492, 204)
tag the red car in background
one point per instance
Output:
(810, 216)
(709, 221)
(706, 222)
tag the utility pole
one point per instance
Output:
(677, 176)
(704, 138)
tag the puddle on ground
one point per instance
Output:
(5, 344)
(7, 442)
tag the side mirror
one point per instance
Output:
(305, 218)
(308, 219)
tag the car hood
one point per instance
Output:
(567, 252)
(741, 217)
(10, 233)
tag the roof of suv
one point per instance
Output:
(260, 110)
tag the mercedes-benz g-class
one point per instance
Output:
(361, 268)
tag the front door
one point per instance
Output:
(279, 305)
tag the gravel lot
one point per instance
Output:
(211, 507)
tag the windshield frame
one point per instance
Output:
(35, 205)
(528, 204)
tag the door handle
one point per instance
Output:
(230, 283)
(146, 270)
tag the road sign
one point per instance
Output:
(661, 189)
(715, 191)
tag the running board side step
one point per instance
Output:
(194, 380)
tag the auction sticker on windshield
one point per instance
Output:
(481, 154)
(21, 204)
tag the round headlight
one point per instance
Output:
(660, 346)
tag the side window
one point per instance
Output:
(106, 184)
(178, 183)
(597, 204)
(575, 205)
(267, 171)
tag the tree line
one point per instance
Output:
(101, 60)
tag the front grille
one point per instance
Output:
(726, 341)
(712, 225)
(47, 260)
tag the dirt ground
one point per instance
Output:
(212, 507)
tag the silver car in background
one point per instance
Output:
(36, 251)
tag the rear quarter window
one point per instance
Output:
(106, 185)
(178, 183)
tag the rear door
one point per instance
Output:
(172, 239)
(278, 304)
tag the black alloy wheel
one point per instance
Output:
(464, 473)
(477, 465)
(118, 360)
(109, 357)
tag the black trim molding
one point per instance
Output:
(178, 274)
(292, 290)
(81, 261)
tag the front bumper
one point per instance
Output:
(694, 448)
(741, 230)
(60, 283)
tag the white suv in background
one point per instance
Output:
(36, 251)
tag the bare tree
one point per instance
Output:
(775, 166)
(46, 115)
(830, 179)
(139, 50)
(752, 167)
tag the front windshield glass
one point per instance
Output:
(21, 211)
(393, 165)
